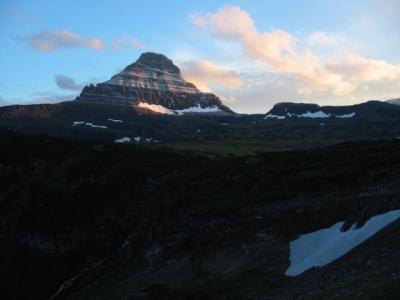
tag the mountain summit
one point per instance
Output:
(153, 82)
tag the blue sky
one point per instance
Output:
(250, 53)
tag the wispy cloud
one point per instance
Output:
(58, 39)
(67, 83)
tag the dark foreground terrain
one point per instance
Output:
(107, 221)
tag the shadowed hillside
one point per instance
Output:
(189, 226)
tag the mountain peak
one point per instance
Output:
(157, 61)
(155, 80)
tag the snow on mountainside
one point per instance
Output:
(194, 109)
(155, 81)
(318, 248)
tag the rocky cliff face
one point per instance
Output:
(152, 79)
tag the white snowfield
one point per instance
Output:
(76, 123)
(163, 110)
(318, 248)
(124, 140)
(314, 115)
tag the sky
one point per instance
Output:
(252, 54)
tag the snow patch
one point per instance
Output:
(123, 140)
(317, 114)
(271, 116)
(156, 108)
(314, 115)
(318, 248)
(139, 139)
(76, 123)
(163, 110)
(115, 121)
(198, 109)
(346, 116)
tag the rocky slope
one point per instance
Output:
(152, 79)
(141, 223)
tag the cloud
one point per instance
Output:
(359, 68)
(47, 41)
(204, 73)
(133, 42)
(280, 52)
(67, 83)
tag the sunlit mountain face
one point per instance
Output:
(199, 150)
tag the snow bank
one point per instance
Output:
(156, 108)
(76, 123)
(123, 140)
(318, 248)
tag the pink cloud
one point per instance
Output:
(203, 73)
(280, 50)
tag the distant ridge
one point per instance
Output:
(394, 101)
(371, 111)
